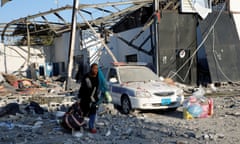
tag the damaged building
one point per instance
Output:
(179, 42)
(172, 39)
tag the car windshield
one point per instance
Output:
(136, 74)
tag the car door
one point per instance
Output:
(113, 85)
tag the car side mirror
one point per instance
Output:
(113, 80)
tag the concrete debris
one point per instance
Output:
(11, 79)
(206, 137)
(77, 134)
(39, 105)
(108, 133)
(59, 114)
(220, 135)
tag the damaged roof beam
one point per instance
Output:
(37, 31)
(168, 5)
(61, 18)
(45, 19)
(85, 11)
(120, 13)
(136, 2)
(32, 17)
(104, 10)
(68, 7)
(176, 6)
(116, 8)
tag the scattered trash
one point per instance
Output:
(11, 79)
(39, 96)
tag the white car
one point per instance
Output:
(138, 87)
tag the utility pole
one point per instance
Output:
(157, 59)
(72, 44)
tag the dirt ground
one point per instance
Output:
(141, 127)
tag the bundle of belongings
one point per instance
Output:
(10, 109)
(34, 107)
(73, 119)
(197, 105)
(14, 108)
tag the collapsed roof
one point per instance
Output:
(53, 22)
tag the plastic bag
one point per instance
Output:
(198, 105)
(195, 110)
(108, 97)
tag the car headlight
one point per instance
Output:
(180, 95)
(143, 94)
(179, 92)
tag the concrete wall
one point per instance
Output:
(50, 56)
(85, 47)
(13, 57)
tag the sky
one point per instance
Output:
(21, 8)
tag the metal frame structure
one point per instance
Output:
(111, 14)
(111, 11)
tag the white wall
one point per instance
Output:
(61, 46)
(61, 49)
(59, 52)
(202, 7)
(89, 46)
(121, 49)
(16, 56)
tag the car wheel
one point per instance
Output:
(126, 105)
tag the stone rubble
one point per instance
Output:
(113, 127)
(152, 127)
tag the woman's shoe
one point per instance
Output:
(93, 131)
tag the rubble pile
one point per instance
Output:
(141, 127)
(29, 126)
(48, 93)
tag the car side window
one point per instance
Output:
(112, 77)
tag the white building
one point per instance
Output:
(15, 58)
